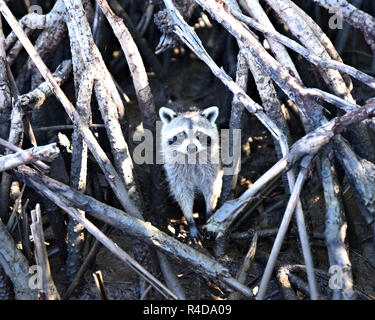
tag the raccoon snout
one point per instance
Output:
(191, 148)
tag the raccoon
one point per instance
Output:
(191, 153)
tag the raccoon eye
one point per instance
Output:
(182, 135)
(173, 140)
(208, 140)
(198, 135)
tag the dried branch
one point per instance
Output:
(230, 181)
(42, 166)
(5, 97)
(15, 137)
(15, 266)
(34, 21)
(315, 140)
(170, 276)
(360, 174)
(141, 85)
(14, 217)
(266, 89)
(66, 127)
(109, 103)
(48, 290)
(99, 282)
(78, 174)
(335, 231)
(286, 277)
(44, 153)
(26, 232)
(284, 282)
(38, 96)
(273, 109)
(245, 267)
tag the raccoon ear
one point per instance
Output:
(166, 114)
(211, 114)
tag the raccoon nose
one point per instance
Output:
(191, 148)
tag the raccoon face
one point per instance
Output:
(190, 132)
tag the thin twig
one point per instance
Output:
(48, 290)
(245, 267)
(294, 199)
(98, 277)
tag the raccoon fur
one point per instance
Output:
(191, 154)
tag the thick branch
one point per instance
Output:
(15, 266)
(43, 153)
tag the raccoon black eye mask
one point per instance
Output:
(173, 140)
(178, 138)
(204, 139)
